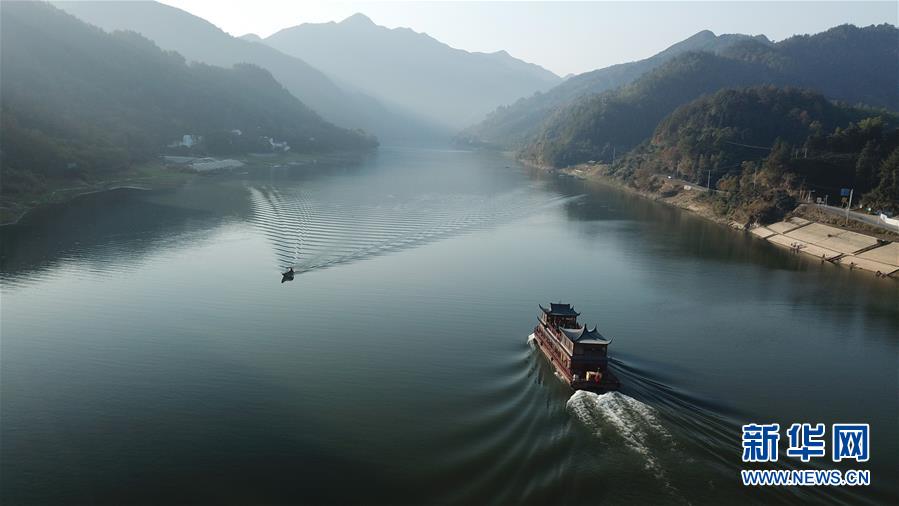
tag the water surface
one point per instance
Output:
(150, 353)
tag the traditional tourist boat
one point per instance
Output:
(580, 355)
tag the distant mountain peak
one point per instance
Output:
(703, 34)
(446, 86)
(252, 37)
(357, 19)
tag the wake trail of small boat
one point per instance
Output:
(283, 220)
(307, 234)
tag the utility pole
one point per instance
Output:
(849, 205)
(708, 183)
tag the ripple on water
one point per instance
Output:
(309, 234)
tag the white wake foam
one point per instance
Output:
(636, 423)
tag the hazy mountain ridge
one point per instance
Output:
(511, 126)
(78, 102)
(198, 40)
(413, 70)
(841, 63)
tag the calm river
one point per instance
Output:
(150, 353)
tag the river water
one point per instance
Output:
(150, 353)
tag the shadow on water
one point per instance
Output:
(118, 228)
(115, 229)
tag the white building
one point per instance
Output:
(277, 146)
(187, 141)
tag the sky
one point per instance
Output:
(564, 37)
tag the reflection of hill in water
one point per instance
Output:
(680, 234)
(310, 232)
(113, 230)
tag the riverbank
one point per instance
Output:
(167, 172)
(150, 176)
(831, 244)
(804, 231)
(691, 200)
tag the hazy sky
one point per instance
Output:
(561, 36)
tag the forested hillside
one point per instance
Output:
(857, 65)
(601, 126)
(766, 146)
(847, 63)
(79, 103)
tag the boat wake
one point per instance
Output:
(308, 233)
(636, 423)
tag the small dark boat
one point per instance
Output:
(287, 275)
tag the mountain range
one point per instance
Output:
(413, 71)
(198, 40)
(395, 83)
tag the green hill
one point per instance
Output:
(765, 146)
(80, 103)
(600, 126)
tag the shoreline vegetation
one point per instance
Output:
(861, 246)
(161, 174)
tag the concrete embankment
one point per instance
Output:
(842, 247)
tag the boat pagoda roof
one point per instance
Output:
(585, 336)
(560, 310)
